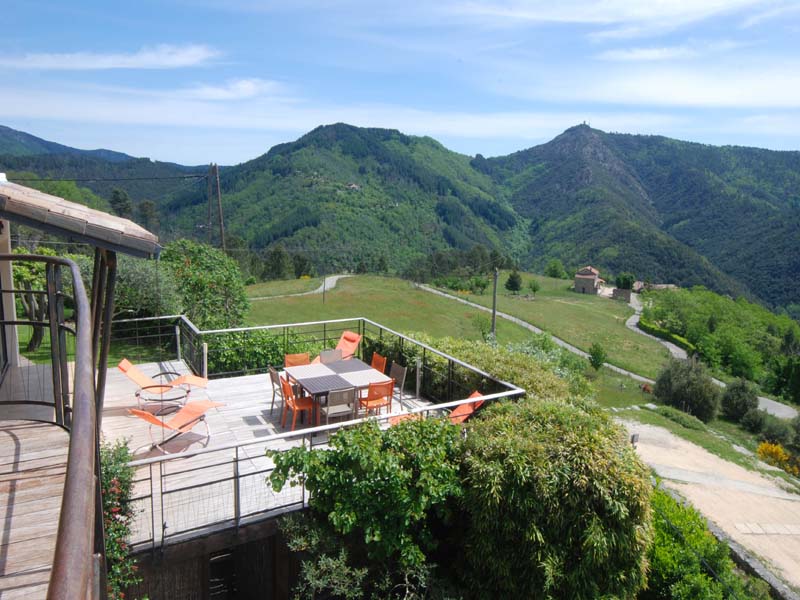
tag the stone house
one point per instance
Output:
(587, 280)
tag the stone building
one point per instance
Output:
(587, 280)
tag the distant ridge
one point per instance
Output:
(19, 143)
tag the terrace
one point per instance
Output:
(202, 485)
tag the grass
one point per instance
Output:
(280, 288)
(618, 391)
(581, 320)
(389, 301)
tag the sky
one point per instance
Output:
(200, 81)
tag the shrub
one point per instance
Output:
(681, 418)
(514, 282)
(777, 431)
(687, 561)
(557, 504)
(116, 484)
(686, 385)
(597, 356)
(754, 420)
(738, 398)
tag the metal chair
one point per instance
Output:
(296, 360)
(329, 356)
(275, 378)
(378, 396)
(398, 373)
(378, 362)
(341, 403)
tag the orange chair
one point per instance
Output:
(462, 412)
(290, 401)
(296, 360)
(378, 362)
(348, 344)
(181, 422)
(149, 385)
(378, 396)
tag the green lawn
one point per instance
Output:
(280, 288)
(580, 320)
(389, 301)
(618, 391)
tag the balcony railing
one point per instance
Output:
(78, 565)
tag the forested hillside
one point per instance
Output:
(344, 197)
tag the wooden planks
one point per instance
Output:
(32, 467)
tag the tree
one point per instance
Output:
(556, 483)
(145, 288)
(738, 398)
(625, 281)
(514, 282)
(121, 203)
(555, 268)
(278, 264)
(534, 286)
(685, 384)
(597, 356)
(302, 265)
(209, 282)
(148, 215)
(30, 277)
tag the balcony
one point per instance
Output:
(208, 484)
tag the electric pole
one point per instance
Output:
(494, 304)
(219, 208)
(213, 183)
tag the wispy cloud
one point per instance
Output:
(770, 14)
(163, 56)
(683, 51)
(236, 89)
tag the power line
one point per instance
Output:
(172, 177)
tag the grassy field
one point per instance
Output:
(580, 320)
(389, 301)
(280, 288)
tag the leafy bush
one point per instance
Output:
(777, 431)
(667, 335)
(681, 418)
(116, 484)
(597, 356)
(557, 504)
(685, 557)
(686, 385)
(738, 398)
(775, 454)
(514, 282)
(754, 420)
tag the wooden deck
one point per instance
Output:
(32, 466)
(206, 491)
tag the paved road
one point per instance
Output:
(328, 284)
(784, 411)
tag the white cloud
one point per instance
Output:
(770, 14)
(648, 54)
(236, 89)
(163, 56)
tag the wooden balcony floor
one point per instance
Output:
(32, 466)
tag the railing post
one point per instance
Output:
(449, 380)
(178, 341)
(237, 509)
(205, 360)
(418, 361)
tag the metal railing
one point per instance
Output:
(79, 555)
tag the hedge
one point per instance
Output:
(667, 335)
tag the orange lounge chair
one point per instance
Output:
(462, 412)
(181, 422)
(150, 386)
(348, 344)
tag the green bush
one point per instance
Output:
(667, 335)
(597, 356)
(754, 420)
(686, 385)
(557, 504)
(687, 562)
(777, 431)
(738, 398)
(681, 418)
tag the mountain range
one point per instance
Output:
(667, 210)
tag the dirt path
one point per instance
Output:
(754, 510)
(327, 284)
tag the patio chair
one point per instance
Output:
(181, 422)
(378, 396)
(275, 379)
(341, 403)
(149, 385)
(378, 362)
(398, 373)
(348, 344)
(329, 356)
(295, 404)
(296, 360)
(462, 412)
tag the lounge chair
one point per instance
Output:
(181, 422)
(348, 344)
(462, 412)
(149, 385)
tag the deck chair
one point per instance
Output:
(150, 386)
(462, 412)
(348, 344)
(181, 422)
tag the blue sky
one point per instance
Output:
(200, 81)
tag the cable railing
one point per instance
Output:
(79, 558)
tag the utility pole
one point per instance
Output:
(494, 304)
(208, 216)
(219, 208)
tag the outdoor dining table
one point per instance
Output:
(319, 379)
